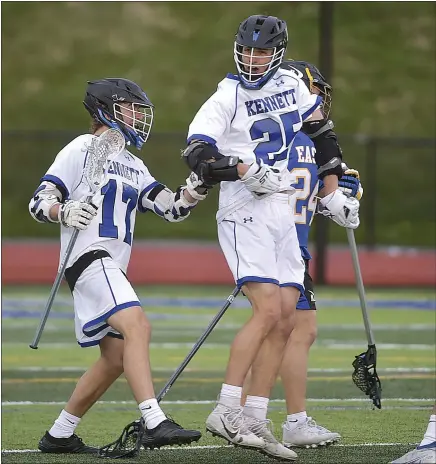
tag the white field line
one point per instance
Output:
(200, 447)
(328, 344)
(188, 369)
(198, 402)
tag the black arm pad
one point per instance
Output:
(327, 147)
(209, 164)
(225, 169)
(199, 151)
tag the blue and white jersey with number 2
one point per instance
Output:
(112, 228)
(303, 167)
(253, 124)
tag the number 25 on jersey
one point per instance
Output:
(276, 136)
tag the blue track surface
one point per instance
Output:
(32, 307)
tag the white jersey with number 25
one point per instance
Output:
(253, 124)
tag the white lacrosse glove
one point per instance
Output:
(195, 188)
(341, 209)
(262, 179)
(77, 214)
(350, 183)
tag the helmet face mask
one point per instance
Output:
(315, 82)
(326, 93)
(256, 65)
(259, 49)
(121, 104)
(136, 117)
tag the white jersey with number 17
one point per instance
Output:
(112, 229)
(253, 124)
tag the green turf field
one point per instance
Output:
(36, 383)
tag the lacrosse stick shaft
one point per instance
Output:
(197, 346)
(55, 287)
(360, 287)
(54, 291)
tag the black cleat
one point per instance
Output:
(167, 433)
(73, 444)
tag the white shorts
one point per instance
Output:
(260, 243)
(101, 290)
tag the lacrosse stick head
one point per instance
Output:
(101, 152)
(365, 375)
(127, 445)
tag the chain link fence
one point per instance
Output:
(398, 175)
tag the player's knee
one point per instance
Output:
(132, 323)
(140, 329)
(309, 335)
(115, 363)
(305, 330)
(112, 351)
(286, 325)
(270, 315)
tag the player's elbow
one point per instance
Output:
(42, 202)
(35, 212)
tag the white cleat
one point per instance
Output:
(308, 435)
(229, 423)
(272, 448)
(421, 455)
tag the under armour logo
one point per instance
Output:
(248, 219)
(280, 82)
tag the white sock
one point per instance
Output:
(294, 419)
(430, 434)
(152, 413)
(256, 406)
(230, 396)
(64, 425)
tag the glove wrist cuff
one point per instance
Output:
(333, 201)
(195, 194)
(183, 200)
(61, 214)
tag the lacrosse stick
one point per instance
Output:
(102, 151)
(129, 443)
(365, 374)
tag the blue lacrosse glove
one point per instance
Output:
(350, 183)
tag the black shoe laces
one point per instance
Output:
(170, 419)
(77, 438)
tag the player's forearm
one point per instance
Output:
(242, 169)
(188, 197)
(331, 183)
(54, 212)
